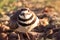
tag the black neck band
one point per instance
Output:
(23, 24)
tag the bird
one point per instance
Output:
(24, 20)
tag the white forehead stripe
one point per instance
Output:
(24, 12)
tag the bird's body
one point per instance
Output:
(26, 20)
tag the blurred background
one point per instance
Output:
(8, 6)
